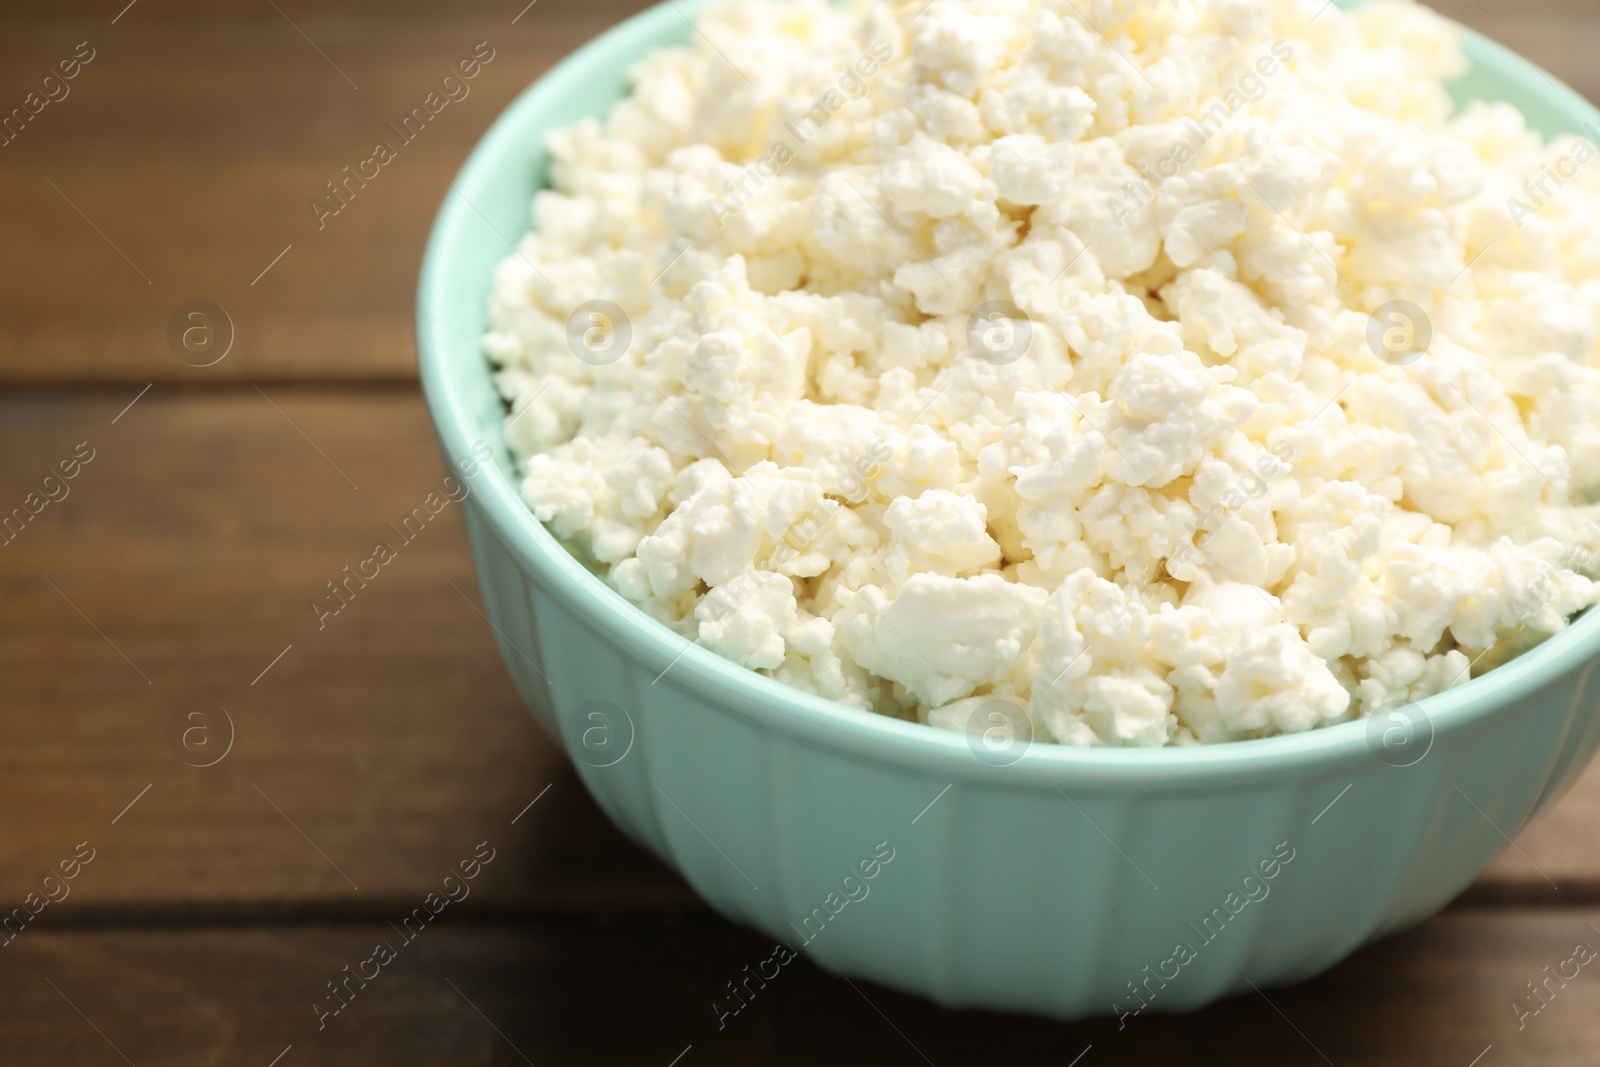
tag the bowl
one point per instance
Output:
(1037, 878)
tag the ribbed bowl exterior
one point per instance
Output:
(1052, 897)
(1067, 882)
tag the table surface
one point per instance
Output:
(371, 756)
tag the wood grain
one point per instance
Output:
(1557, 35)
(184, 561)
(192, 545)
(640, 992)
(194, 141)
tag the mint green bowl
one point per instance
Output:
(1056, 884)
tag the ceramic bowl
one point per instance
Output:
(1037, 878)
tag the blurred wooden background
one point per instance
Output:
(370, 757)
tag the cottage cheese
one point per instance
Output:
(1029, 350)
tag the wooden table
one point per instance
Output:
(370, 757)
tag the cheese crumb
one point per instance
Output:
(1179, 373)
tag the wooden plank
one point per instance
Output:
(1557, 858)
(193, 143)
(641, 993)
(197, 136)
(192, 544)
(1555, 34)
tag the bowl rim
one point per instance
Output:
(761, 700)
